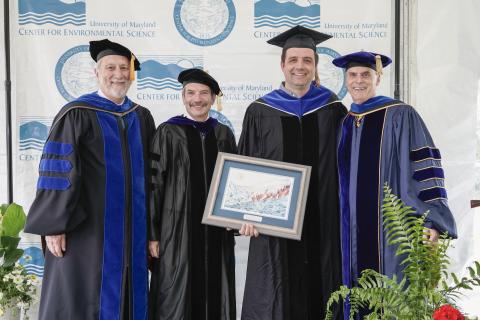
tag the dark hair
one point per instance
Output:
(284, 55)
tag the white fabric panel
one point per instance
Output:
(446, 91)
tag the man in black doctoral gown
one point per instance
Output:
(297, 123)
(92, 199)
(194, 275)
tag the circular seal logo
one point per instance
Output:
(204, 22)
(74, 75)
(330, 76)
(221, 118)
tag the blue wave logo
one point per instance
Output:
(57, 12)
(287, 13)
(33, 133)
(161, 72)
(33, 261)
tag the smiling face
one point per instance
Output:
(113, 73)
(198, 99)
(362, 83)
(299, 69)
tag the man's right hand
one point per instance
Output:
(154, 249)
(57, 244)
(248, 230)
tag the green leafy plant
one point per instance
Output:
(17, 288)
(424, 287)
(12, 222)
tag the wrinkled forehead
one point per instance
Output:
(195, 86)
(114, 59)
(360, 70)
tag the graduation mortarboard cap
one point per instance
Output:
(105, 47)
(367, 59)
(196, 75)
(299, 37)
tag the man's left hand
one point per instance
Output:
(432, 236)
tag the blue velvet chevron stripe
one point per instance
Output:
(429, 173)
(139, 220)
(58, 148)
(425, 154)
(431, 194)
(113, 243)
(344, 152)
(53, 183)
(55, 165)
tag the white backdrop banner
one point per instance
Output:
(228, 38)
(51, 64)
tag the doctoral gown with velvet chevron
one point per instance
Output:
(289, 279)
(194, 277)
(385, 140)
(94, 187)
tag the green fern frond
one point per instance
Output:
(424, 286)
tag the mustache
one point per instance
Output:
(198, 104)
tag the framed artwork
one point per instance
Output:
(269, 194)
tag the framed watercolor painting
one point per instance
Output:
(268, 194)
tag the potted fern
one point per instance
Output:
(424, 292)
(17, 288)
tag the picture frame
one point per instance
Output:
(269, 194)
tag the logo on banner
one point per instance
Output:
(57, 12)
(33, 133)
(281, 13)
(161, 72)
(32, 260)
(204, 22)
(330, 76)
(74, 73)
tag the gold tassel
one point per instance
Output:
(317, 79)
(378, 65)
(219, 101)
(132, 67)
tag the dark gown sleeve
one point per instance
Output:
(56, 208)
(159, 160)
(422, 179)
(148, 134)
(232, 144)
(149, 128)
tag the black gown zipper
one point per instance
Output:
(203, 137)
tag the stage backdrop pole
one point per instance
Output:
(8, 99)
